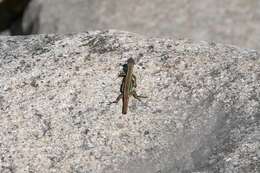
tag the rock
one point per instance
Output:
(236, 22)
(31, 19)
(201, 115)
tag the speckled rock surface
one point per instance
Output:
(224, 21)
(201, 115)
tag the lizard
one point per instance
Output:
(128, 85)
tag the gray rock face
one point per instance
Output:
(201, 115)
(224, 21)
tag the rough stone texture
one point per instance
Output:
(201, 115)
(224, 21)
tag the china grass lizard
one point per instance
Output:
(128, 85)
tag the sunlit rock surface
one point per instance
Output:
(201, 115)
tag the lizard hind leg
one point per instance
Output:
(138, 97)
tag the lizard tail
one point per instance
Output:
(125, 104)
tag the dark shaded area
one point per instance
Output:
(11, 12)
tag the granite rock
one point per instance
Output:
(202, 113)
(224, 21)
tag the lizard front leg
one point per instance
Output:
(134, 81)
(118, 98)
(122, 74)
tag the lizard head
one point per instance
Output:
(130, 61)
